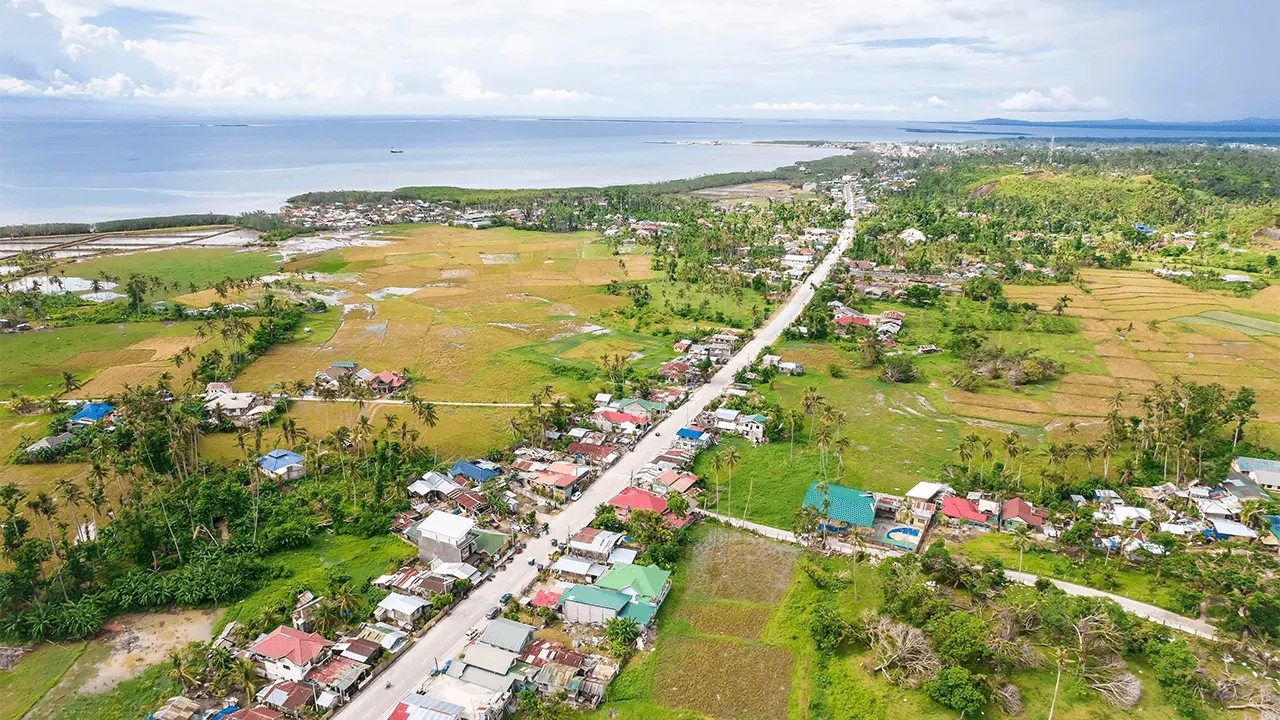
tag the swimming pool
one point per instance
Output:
(903, 537)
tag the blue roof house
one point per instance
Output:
(282, 465)
(848, 507)
(471, 471)
(90, 413)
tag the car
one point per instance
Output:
(576, 495)
(493, 612)
(472, 632)
(506, 598)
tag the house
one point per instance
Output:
(255, 713)
(965, 512)
(478, 471)
(214, 389)
(1243, 488)
(770, 360)
(677, 371)
(647, 409)
(445, 536)
(304, 610)
(1106, 498)
(90, 414)
(1017, 511)
(672, 480)
(612, 421)
(470, 502)
(48, 443)
(238, 406)
(681, 345)
(178, 708)
(594, 544)
(288, 654)
(1230, 530)
(592, 605)
(402, 610)
(644, 583)
(578, 569)
(1123, 516)
(282, 465)
(923, 500)
(632, 499)
(790, 368)
(433, 486)
(337, 677)
(416, 706)
(844, 507)
(391, 639)
(507, 634)
(1265, 473)
(562, 479)
(332, 376)
(692, 437)
(668, 397)
(386, 382)
(602, 399)
(287, 696)
(359, 649)
(596, 453)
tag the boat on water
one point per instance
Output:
(394, 151)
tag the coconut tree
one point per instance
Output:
(43, 506)
(69, 382)
(811, 401)
(730, 459)
(1021, 540)
(794, 415)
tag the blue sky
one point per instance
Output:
(919, 59)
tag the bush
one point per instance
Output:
(959, 689)
(898, 369)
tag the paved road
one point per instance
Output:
(1143, 610)
(448, 637)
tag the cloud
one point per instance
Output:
(936, 102)
(822, 107)
(14, 86)
(464, 85)
(1060, 99)
(554, 95)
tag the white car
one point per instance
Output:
(473, 632)
(576, 495)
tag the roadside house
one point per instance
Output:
(288, 654)
(643, 583)
(402, 610)
(848, 507)
(594, 544)
(48, 443)
(445, 536)
(90, 414)
(632, 499)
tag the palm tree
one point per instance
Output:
(717, 463)
(811, 402)
(1089, 452)
(69, 382)
(43, 506)
(1021, 540)
(180, 671)
(244, 676)
(72, 495)
(986, 454)
(730, 457)
(794, 415)
(859, 544)
(1060, 659)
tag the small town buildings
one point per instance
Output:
(287, 696)
(90, 414)
(359, 649)
(48, 443)
(332, 376)
(1243, 488)
(288, 654)
(507, 634)
(964, 511)
(477, 471)
(619, 423)
(790, 368)
(402, 610)
(632, 499)
(579, 570)
(1224, 529)
(1017, 511)
(643, 583)
(1266, 473)
(241, 408)
(923, 501)
(594, 544)
(214, 389)
(673, 480)
(282, 465)
(844, 507)
(432, 486)
(179, 708)
(416, 706)
(445, 536)
(595, 453)
(336, 678)
(255, 713)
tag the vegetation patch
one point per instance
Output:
(757, 687)
(735, 619)
(732, 566)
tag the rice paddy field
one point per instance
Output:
(733, 643)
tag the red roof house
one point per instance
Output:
(964, 510)
(255, 713)
(288, 696)
(1017, 510)
(633, 498)
(287, 654)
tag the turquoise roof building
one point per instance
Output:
(854, 507)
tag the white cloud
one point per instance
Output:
(936, 102)
(465, 85)
(555, 95)
(822, 107)
(14, 86)
(1060, 99)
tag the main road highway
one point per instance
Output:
(448, 637)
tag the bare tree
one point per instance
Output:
(902, 653)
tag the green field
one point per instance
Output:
(185, 266)
(1233, 321)
(34, 361)
(304, 568)
(22, 687)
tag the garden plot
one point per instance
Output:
(757, 684)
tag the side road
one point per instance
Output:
(1143, 610)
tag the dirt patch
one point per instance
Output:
(454, 273)
(736, 567)
(725, 618)
(757, 687)
(163, 348)
(145, 640)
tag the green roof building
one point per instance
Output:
(645, 583)
(853, 507)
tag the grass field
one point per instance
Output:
(731, 667)
(22, 687)
(304, 568)
(185, 266)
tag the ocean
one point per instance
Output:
(57, 170)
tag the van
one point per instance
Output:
(494, 612)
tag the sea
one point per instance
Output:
(87, 170)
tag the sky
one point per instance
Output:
(916, 59)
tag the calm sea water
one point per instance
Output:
(52, 170)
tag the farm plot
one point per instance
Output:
(757, 687)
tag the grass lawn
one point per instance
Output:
(1132, 583)
(129, 700)
(35, 673)
(34, 361)
(304, 568)
(185, 266)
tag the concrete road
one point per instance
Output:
(448, 637)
